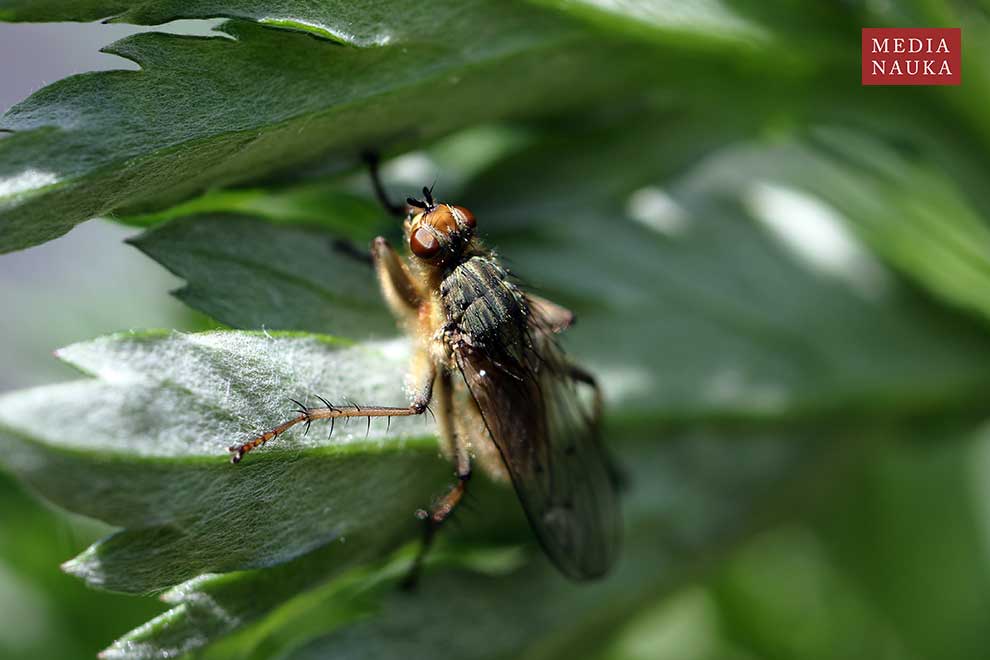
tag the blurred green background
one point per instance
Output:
(894, 565)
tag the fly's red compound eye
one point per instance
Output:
(464, 216)
(424, 244)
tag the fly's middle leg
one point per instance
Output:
(443, 508)
(328, 411)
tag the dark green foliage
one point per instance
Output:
(784, 293)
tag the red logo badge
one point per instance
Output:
(912, 56)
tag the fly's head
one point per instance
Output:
(437, 234)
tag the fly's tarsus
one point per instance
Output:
(329, 411)
(440, 512)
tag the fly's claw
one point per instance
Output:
(236, 453)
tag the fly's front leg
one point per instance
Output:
(422, 394)
(443, 508)
(399, 289)
(371, 159)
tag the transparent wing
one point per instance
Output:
(547, 437)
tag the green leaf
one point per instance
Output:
(311, 205)
(208, 608)
(920, 220)
(370, 23)
(363, 23)
(275, 103)
(871, 533)
(912, 214)
(60, 10)
(35, 540)
(691, 497)
(715, 20)
(250, 274)
(780, 596)
(143, 446)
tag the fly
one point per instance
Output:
(507, 398)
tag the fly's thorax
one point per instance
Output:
(485, 307)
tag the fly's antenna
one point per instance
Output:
(427, 203)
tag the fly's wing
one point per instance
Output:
(547, 437)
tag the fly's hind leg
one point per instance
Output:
(444, 507)
(582, 376)
(619, 476)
